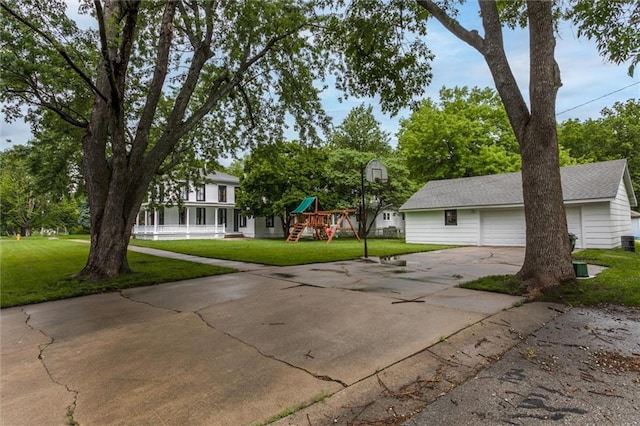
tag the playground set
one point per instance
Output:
(319, 221)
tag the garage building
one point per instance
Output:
(489, 210)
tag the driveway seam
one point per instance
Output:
(317, 376)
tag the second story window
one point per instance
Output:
(200, 193)
(184, 193)
(222, 193)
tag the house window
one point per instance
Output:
(242, 221)
(451, 217)
(200, 193)
(184, 193)
(222, 217)
(270, 221)
(201, 216)
(160, 194)
(386, 216)
(222, 193)
(182, 216)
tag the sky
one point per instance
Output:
(585, 75)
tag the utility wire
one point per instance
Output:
(593, 100)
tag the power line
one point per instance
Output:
(598, 98)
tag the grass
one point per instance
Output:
(282, 253)
(291, 410)
(618, 284)
(35, 270)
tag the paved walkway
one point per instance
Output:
(240, 348)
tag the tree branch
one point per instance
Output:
(154, 95)
(472, 38)
(102, 31)
(57, 47)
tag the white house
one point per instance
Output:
(389, 223)
(206, 211)
(489, 210)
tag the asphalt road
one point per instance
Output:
(583, 368)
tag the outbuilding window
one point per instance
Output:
(450, 217)
(270, 221)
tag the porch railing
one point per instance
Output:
(179, 229)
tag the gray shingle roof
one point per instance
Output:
(223, 177)
(594, 181)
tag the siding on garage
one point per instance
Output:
(505, 227)
(620, 216)
(428, 227)
(597, 225)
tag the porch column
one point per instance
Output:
(215, 218)
(186, 213)
(155, 220)
(146, 220)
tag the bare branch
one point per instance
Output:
(472, 38)
(102, 31)
(155, 88)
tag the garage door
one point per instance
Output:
(502, 228)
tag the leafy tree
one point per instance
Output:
(20, 203)
(277, 177)
(356, 141)
(28, 200)
(466, 134)
(615, 135)
(158, 71)
(614, 25)
(547, 259)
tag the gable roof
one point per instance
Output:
(594, 181)
(222, 178)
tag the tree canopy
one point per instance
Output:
(278, 176)
(467, 133)
(148, 75)
(615, 135)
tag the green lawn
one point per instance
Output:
(618, 284)
(282, 253)
(36, 270)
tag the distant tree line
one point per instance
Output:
(465, 133)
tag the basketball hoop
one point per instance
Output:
(376, 172)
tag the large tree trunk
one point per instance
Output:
(547, 259)
(114, 185)
(548, 256)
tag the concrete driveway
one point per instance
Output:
(240, 348)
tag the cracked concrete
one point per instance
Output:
(239, 348)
